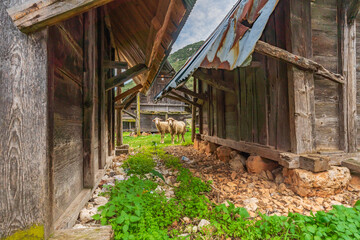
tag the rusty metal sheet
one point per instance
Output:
(232, 43)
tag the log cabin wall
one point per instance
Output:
(327, 93)
(358, 78)
(80, 111)
(24, 180)
(258, 110)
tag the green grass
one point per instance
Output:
(148, 141)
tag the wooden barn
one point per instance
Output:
(149, 109)
(279, 79)
(59, 68)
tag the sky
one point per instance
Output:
(204, 18)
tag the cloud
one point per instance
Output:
(205, 17)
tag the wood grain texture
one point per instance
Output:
(37, 14)
(301, 83)
(24, 199)
(68, 143)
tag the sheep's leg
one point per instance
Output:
(178, 138)
(162, 138)
(172, 139)
(183, 137)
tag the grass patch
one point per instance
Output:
(147, 142)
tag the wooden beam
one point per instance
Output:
(119, 128)
(216, 83)
(124, 76)
(252, 148)
(353, 11)
(352, 164)
(128, 101)
(89, 88)
(300, 62)
(114, 64)
(185, 100)
(130, 114)
(192, 93)
(193, 113)
(156, 43)
(135, 89)
(138, 114)
(347, 56)
(34, 15)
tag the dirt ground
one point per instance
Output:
(255, 192)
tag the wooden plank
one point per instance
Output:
(116, 65)
(161, 33)
(119, 129)
(245, 128)
(183, 99)
(34, 15)
(301, 83)
(220, 113)
(89, 86)
(238, 102)
(314, 163)
(201, 112)
(216, 83)
(249, 105)
(348, 111)
(124, 76)
(193, 112)
(138, 114)
(261, 103)
(352, 164)
(192, 93)
(242, 146)
(296, 60)
(132, 114)
(123, 95)
(102, 92)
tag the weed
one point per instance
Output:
(140, 164)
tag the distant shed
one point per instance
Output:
(149, 109)
(278, 79)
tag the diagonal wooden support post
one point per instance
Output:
(124, 76)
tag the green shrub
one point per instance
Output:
(141, 164)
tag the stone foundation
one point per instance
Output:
(324, 184)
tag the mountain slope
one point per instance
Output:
(179, 58)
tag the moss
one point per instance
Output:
(33, 233)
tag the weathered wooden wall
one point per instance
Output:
(358, 77)
(325, 52)
(23, 95)
(66, 49)
(258, 112)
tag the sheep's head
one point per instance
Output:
(170, 121)
(156, 120)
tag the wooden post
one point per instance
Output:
(138, 115)
(347, 62)
(301, 83)
(193, 119)
(119, 130)
(201, 117)
(89, 85)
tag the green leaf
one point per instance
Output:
(311, 229)
(125, 228)
(357, 204)
(96, 217)
(157, 174)
(134, 219)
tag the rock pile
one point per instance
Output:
(269, 188)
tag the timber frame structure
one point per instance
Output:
(149, 110)
(62, 66)
(297, 101)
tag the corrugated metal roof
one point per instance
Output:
(232, 43)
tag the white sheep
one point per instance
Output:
(176, 128)
(163, 128)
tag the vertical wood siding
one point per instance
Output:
(23, 93)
